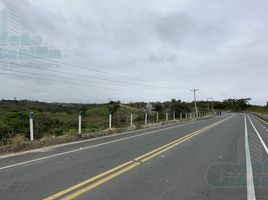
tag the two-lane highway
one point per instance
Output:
(219, 158)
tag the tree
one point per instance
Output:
(237, 104)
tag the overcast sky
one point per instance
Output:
(140, 50)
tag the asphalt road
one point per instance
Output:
(224, 157)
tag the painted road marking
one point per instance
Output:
(99, 138)
(260, 119)
(257, 120)
(263, 121)
(258, 134)
(250, 182)
(112, 173)
(92, 146)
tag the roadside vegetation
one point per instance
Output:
(57, 119)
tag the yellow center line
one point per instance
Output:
(101, 181)
(105, 179)
(110, 171)
(110, 174)
(87, 181)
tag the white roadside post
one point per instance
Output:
(131, 119)
(79, 122)
(157, 117)
(110, 120)
(146, 118)
(166, 117)
(174, 116)
(31, 126)
(180, 115)
(190, 115)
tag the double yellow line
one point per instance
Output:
(78, 189)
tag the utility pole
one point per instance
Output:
(210, 99)
(195, 90)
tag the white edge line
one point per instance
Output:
(92, 146)
(257, 117)
(97, 145)
(258, 134)
(97, 138)
(250, 181)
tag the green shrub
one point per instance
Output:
(18, 139)
(58, 131)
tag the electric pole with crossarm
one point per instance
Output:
(195, 90)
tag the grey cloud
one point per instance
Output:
(180, 29)
(175, 27)
(219, 47)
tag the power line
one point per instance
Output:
(86, 76)
(92, 88)
(88, 67)
(39, 77)
(76, 66)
